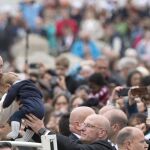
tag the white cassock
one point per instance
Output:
(7, 112)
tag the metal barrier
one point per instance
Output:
(48, 142)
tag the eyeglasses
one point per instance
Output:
(87, 125)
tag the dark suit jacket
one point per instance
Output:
(73, 137)
(64, 143)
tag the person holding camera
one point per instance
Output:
(129, 100)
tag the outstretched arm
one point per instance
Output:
(62, 142)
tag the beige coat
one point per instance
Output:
(7, 112)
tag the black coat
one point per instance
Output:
(73, 137)
(65, 143)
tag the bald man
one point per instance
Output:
(118, 120)
(77, 117)
(105, 108)
(94, 134)
(131, 138)
(95, 127)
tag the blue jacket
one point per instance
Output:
(22, 91)
(30, 98)
(78, 49)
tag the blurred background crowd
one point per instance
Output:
(87, 29)
(77, 51)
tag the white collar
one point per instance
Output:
(77, 135)
(112, 144)
(17, 81)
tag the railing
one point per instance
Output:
(48, 142)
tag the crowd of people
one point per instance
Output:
(80, 103)
(87, 29)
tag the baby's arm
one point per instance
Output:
(11, 95)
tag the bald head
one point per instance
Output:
(118, 120)
(116, 116)
(131, 138)
(126, 133)
(1, 66)
(80, 113)
(77, 117)
(95, 127)
(106, 108)
(99, 121)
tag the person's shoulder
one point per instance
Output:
(73, 137)
(104, 144)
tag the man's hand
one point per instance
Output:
(35, 123)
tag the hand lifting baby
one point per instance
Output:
(29, 98)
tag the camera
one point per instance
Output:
(139, 91)
(123, 92)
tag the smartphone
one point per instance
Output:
(123, 92)
(140, 91)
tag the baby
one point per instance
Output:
(29, 98)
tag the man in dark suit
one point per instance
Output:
(94, 134)
(77, 117)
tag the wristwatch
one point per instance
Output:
(42, 131)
